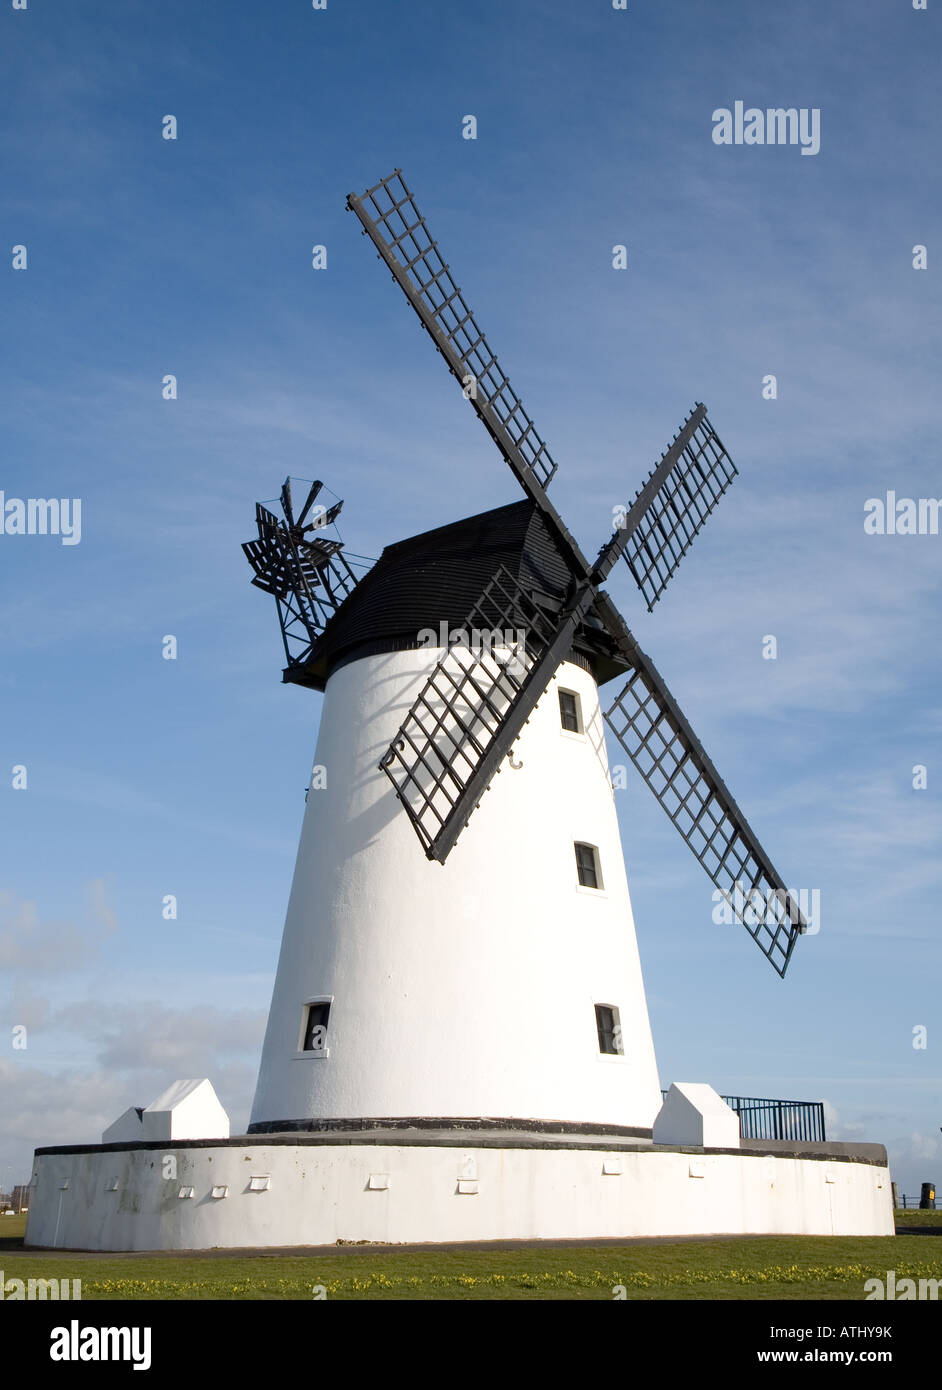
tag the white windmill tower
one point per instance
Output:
(495, 979)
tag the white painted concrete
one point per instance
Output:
(320, 1193)
(185, 1110)
(126, 1129)
(693, 1113)
(465, 989)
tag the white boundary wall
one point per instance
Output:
(317, 1194)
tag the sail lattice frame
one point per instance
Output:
(649, 725)
(400, 233)
(671, 508)
(458, 721)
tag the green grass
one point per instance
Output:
(925, 1219)
(780, 1267)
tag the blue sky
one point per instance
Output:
(146, 257)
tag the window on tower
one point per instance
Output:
(315, 1027)
(570, 712)
(587, 866)
(608, 1024)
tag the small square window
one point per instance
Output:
(570, 711)
(587, 866)
(315, 1027)
(608, 1025)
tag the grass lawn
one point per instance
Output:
(924, 1220)
(774, 1267)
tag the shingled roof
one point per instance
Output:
(438, 577)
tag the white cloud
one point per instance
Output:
(132, 1052)
(27, 943)
(147, 1036)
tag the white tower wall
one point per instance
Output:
(462, 990)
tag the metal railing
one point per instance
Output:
(777, 1119)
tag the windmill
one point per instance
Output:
(520, 614)
(458, 1045)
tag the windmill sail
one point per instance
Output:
(469, 713)
(649, 725)
(671, 507)
(399, 232)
